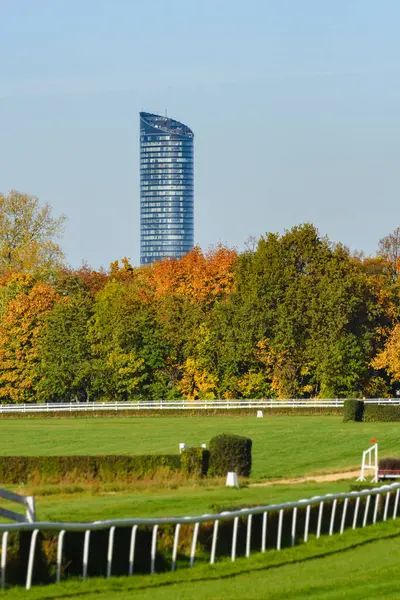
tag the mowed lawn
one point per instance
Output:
(357, 565)
(53, 504)
(282, 445)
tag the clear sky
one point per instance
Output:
(294, 104)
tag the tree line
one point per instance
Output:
(295, 315)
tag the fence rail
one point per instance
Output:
(338, 517)
(182, 405)
(27, 501)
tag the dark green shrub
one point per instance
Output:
(230, 453)
(353, 410)
(389, 464)
(194, 461)
(381, 412)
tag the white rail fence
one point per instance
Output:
(27, 501)
(182, 405)
(339, 510)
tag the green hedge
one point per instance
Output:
(381, 412)
(389, 464)
(230, 453)
(195, 461)
(242, 412)
(21, 469)
(353, 410)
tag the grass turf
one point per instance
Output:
(282, 445)
(357, 565)
(80, 503)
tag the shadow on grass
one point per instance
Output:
(213, 575)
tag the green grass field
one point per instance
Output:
(347, 566)
(87, 504)
(358, 565)
(282, 445)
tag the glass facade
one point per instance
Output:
(166, 188)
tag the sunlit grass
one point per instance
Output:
(283, 446)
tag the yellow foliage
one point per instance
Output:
(389, 358)
(196, 381)
(20, 328)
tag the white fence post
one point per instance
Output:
(366, 510)
(342, 524)
(194, 542)
(31, 559)
(387, 500)
(294, 518)
(307, 523)
(132, 549)
(214, 542)
(332, 523)
(264, 531)
(248, 535)
(175, 548)
(3, 559)
(110, 551)
(86, 554)
(234, 539)
(396, 503)
(279, 538)
(59, 554)
(319, 524)
(153, 549)
(377, 498)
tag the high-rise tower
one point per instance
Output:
(166, 188)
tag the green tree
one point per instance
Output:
(303, 313)
(126, 341)
(65, 351)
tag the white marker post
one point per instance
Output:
(232, 480)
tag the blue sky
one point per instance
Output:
(294, 105)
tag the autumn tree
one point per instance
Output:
(202, 277)
(21, 325)
(28, 234)
(389, 357)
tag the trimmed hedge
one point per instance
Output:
(21, 469)
(357, 410)
(242, 412)
(230, 453)
(381, 412)
(389, 464)
(353, 410)
(194, 461)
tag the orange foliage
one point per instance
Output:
(200, 277)
(94, 281)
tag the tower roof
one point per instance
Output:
(166, 124)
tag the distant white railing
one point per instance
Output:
(182, 405)
(328, 502)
